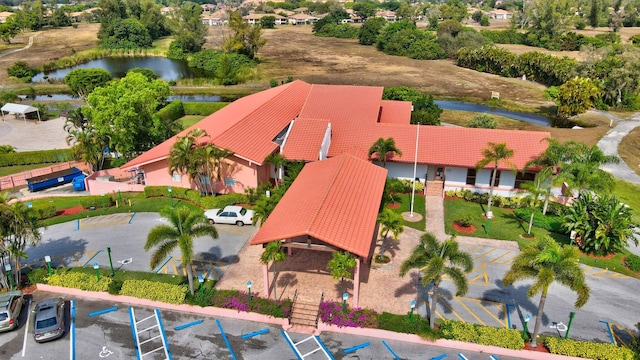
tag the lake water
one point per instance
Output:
(166, 69)
(480, 108)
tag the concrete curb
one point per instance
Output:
(376, 333)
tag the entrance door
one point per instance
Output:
(439, 174)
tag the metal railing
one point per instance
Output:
(293, 302)
(318, 314)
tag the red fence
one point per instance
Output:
(15, 180)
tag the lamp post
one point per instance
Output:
(7, 267)
(170, 196)
(571, 315)
(110, 262)
(120, 197)
(489, 216)
(413, 306)
(572, 237)
(102, 193)
(201, 280)
(526, 324)
(345, 296)
(47, 259)
(249, 284)
(96, 267)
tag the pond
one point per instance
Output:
(480, 108)
(166, 69)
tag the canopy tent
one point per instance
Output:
(19, 109)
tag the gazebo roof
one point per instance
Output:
(18, 108)
(335, 201)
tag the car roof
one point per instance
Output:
(46, 303)
(5, 299)
(232, 208)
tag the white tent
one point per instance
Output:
(19, 109)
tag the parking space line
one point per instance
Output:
(72, 343)
(445, 304)
(476, 249)
(226, 341)
(26, 328)
(483, 275)
(469, 311)
(625, 330)
(597, 273)
(501, 256)
(479, 302)
(506, 262)
(485, 254)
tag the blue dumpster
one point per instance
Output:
(54, 179)
(78, 182)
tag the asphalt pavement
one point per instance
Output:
(609, 145)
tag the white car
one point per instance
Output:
(230, 215)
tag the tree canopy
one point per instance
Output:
(83, 81)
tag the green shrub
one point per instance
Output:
(171, 112)
(96, 202)
(38, 276)
(464, 220)
(273, 82)
(588, 350)
(401, 324)
(44, 211)
(483, 335)
(153, 290)
(635, 39)
(548, 222)
(202, 108)
(36, 157)
(115, 287)
(79, 280)
(220, 201)
(203, 299)
(483, 121)
(503, 36)
(21, 70)
(633, 262)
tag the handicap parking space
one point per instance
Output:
(489, 254)
(465, 309)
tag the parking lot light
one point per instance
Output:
(201, 280)
(413, 306)
(97, 267)
(345, 296)
(110, 261)
(249, 284)
(47, 259)
(7, 267)
(170, 196)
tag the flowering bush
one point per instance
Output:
(331, 312)
(239, 300)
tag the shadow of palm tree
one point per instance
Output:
(517, 296)
(511, 219)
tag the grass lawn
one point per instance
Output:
(628, 194)
(189, 120)
(418, 207)
(10, 170)
(506, 226)
(139, 203)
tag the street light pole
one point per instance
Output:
(110, 262)
(571, 315)
(413, 306)
(102, 193)
(96, 267)
(345, 296)
(47, 259)
(170, 196)
(249, 284)
(7, 267)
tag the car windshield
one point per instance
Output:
(243, 211)
(42, 324)
(3, 316)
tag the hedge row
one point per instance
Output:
(202, 108)
(153, 290)
(513, 202)
(569, 41)
(207, 202)
(95, 202)
(171, 112)
(548, 222)
(44, 211)
(36, 157)
(587, 350)
(402, 324)
(483, 335)
(78, 280)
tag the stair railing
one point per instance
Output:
(318, 314)
(295, 296)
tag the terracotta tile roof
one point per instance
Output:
(247, 126)
(341, 202)
(305, 139)
(395, 112)
(344, 106)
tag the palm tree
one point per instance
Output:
(545, 262)
(390, 222)
(554, 157)
(494, 154)
(188, 156)
(278, 161)
(537, 189)
(382, 148)
(273, 254)
(216, 166)
(583, 170)
(436, 259)
(341, 265)
(185, 226)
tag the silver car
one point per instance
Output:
(10, 306)
(48, 320)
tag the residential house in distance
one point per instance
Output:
(208, 7)
(254, 19)
(217, 18)
(387, 15)
(499, 14)
(311, 123)
(4, 15)
(302, 19)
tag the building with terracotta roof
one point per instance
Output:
(4, 15)
(254, 19)
(309, 122)
(499, 14)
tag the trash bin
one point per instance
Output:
(78, 183)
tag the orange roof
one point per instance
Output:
(305, 139)
(341, 201)
(395, 112)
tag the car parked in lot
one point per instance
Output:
(48, 320)
(10, 306)
(230, 215)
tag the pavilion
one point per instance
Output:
(19, 109)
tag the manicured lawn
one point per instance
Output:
(139, 203)
(628, 194)
(189, 120)
(418, 207)
(10, 170)
(506, 226)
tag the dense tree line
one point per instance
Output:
(131, 24)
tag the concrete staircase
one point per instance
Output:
(435, 188)
(304, 313)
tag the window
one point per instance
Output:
(523, 178)
(229, 182)
(497, 182)
(471, 176)
(176, 177)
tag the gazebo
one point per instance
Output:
(19, 109)
(332, 206)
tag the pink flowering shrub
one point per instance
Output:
(331, 312)
(239, 300)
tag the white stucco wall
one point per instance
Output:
(404, 171)
(454, 176)
(326, 142)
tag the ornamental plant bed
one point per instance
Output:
(540, 348)
(393, 205)
(464, 229)
(606, 257)
(70, 211)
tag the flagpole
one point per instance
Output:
(415, 165)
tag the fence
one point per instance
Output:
(16, 180)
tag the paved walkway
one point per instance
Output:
(24, 48)
(28, 135)
(609, 145)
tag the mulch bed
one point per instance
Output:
(464, 230)
(539, 348)
(607, 257)
(393, 206)
(70, 211)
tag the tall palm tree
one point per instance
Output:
(278, 161)
(390, 222)
(554, 157)
(546, 262)
(583, 170)
(495, 154)
(435, 259)
(273, 253)
(187, 156)
(216, 166)
(185, 226)
(341, 265)
(383, 148)
(537, 189)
